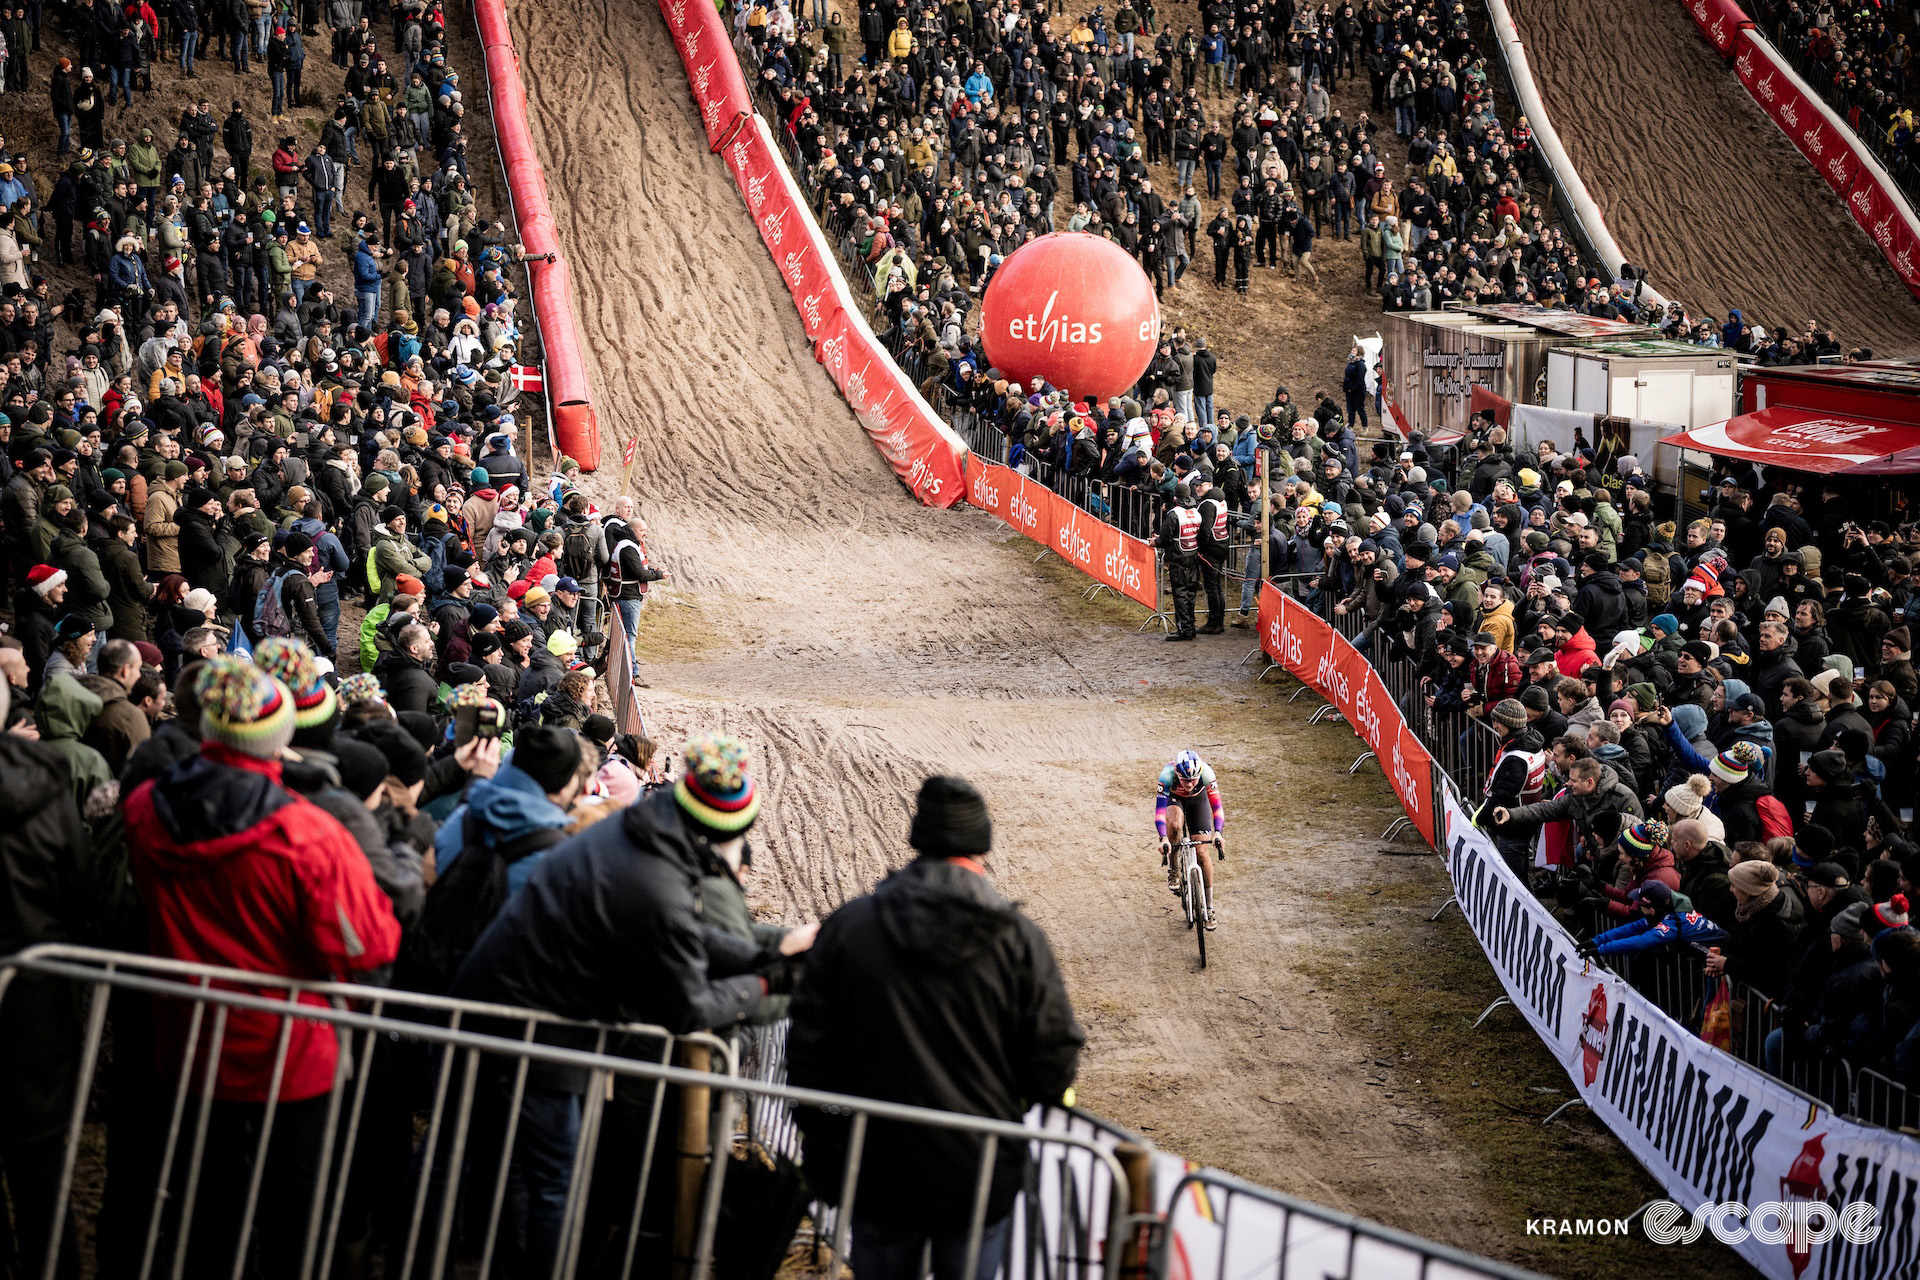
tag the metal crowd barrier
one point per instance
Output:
(1261, 1233)
(200, 1182)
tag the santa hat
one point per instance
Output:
(1705, 580)
(44, 578)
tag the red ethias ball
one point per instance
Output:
(1074, 310)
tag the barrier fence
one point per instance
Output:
(439, 1127)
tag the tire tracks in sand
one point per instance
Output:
(1697, 184)
(859, 642)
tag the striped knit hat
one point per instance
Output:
(244, 708)
(716, 791)
(1728, 767)
(293, 665)
(361, 688)
(1642, 838)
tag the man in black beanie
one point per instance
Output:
(933, 990)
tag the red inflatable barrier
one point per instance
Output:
(1720, 21)
(922, 450)
(713, 71)
(576, 425)
(1829, 149)
(1881, 216)
(1293, 636)
(1835, 152)
(1092, 546)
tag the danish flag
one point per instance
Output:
(526, 377)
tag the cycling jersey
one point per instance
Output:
(1173, 789)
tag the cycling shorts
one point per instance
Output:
(1197, 810)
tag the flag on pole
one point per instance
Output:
(626, 708)
(626, 454)
(237, 644)
(526, 377)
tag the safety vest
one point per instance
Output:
(1189, 522)
(1219, 522)
(1536, 762)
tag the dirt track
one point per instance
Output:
(1697, 184)
(860, 643)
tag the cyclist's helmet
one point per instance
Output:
(1186, 766)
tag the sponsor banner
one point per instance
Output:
(1709, 1127)
(1091, 545)
(1883, 218)
(1295, 638)
(713, 71)
(1836, 154)
(1720, 21)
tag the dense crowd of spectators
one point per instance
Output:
(1859, 59)
(1698, 738)
(941, 136)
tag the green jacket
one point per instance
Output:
(369, 628)
(63, 716)
(280, 267)
(393, 556)
(87, 588)
(143, 162)
(724, 906)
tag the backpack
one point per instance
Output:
(463, 901)
(576, 553)
(270, 616)
(1773, 818)
(1656, 573)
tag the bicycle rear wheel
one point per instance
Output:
(1197, 890)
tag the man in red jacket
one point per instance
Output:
(1573, 648)
(236, 870)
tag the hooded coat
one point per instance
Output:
(607, 927)
(934, 991)
(44, 860)
(234, 869)
(509, 807)
(65, 713)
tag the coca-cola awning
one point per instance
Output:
(1802, 440)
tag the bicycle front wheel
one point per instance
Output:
(1197, 890)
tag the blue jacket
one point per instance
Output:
(509, 805)
(1648, 935)
(1245, 446)
(366, 269)
(329, 554)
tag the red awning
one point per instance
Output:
(1801, 440)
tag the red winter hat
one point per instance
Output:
(518, 591)
(409, 585)
(44, 578)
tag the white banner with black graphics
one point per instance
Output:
(1713, 1130)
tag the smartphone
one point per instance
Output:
(483, 721)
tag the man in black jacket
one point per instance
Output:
(934, 991)
(608, 928)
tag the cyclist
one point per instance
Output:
(1189, 801)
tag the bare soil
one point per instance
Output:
(1697, 184)
(860, 642)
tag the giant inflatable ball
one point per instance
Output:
(1074, 310)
